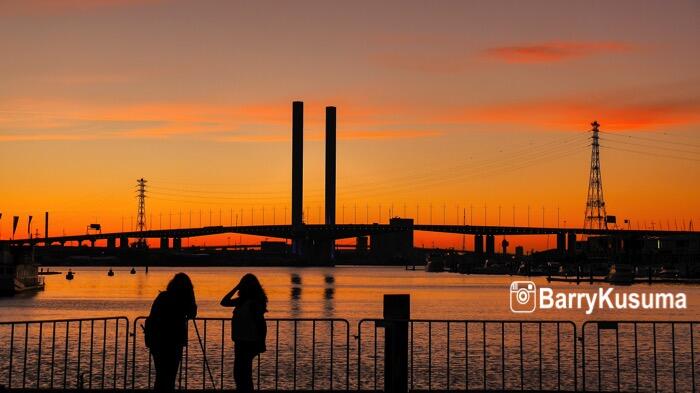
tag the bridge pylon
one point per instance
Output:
(141, 213)
(595, 217)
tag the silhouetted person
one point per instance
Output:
(248, 328)
(166, 329)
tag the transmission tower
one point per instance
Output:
(141, 216)
(595, 204)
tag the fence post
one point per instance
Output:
(397, 312)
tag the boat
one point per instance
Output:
(110, 272)
(434, 263)
(530, 269)
(620, 274)
(133, 270)
(47, 272)
(19, 272)
(69, 275)
(668, 273)
(493, 266)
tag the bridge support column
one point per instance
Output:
(177, 243)
(479, 244)
(361, 243)
(571, 244)
(123, 242)
(111, 242)
(561, 243)
(297, 174)
(92, 243)
(490, 244)
(164, 243)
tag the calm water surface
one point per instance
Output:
(348, 292)
(442, 357)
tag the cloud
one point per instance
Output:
(455, 59)
(577, 113)
(655, 108)
(550, 52)
(264, 122)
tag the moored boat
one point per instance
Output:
(620, 274)
(434, 263)
(19, 272)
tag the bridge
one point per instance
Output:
(336, 232)
(318, 239)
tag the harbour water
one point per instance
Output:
(346, 292)
(321, 354)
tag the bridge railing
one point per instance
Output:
(65, 353)
(475, 354)
(646, 356)
(302, 354)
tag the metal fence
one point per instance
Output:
(656, 356)
(316, 354)
(482, 355)
(302, 354)
(65, 353)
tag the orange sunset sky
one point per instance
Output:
(454, 104)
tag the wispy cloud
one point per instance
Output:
(358, 119)
(549, 52)
(576, 113)
(265, 122)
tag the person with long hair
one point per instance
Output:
(166, 329)
(248, 328)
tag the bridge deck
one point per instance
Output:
(341, 231)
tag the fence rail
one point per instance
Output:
(472, 354)
(316, 354)
(656, 356)
(302, 354)
(64, 353)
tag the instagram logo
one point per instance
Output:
(523, 296)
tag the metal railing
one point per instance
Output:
(638, 356)
(64, 353)
(315, 354)
(302, 354)
(473, 354)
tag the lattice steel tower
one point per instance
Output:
(141, 195)
(595, 205)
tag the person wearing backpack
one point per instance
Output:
(165, 329)
(248, 328)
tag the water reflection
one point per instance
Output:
(329, 296)
(140, 284)
(295, 296)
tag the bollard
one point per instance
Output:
(397, 312)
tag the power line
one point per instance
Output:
(649, 153)
(655, 140)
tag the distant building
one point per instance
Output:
(519, 251)
(274, 246)
(395, 244)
